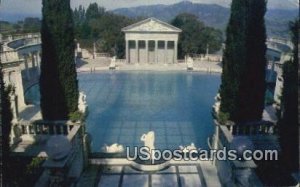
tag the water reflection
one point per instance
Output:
(125, 105)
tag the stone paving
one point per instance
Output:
(100, 64)
(182, 175)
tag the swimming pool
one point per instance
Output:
(123, 105)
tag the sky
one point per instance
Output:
(33, 7)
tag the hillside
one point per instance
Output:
(211, 14)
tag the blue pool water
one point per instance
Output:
(124, 105)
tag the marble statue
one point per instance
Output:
(114, 148)
(188, 147)
(113, 63)
(148, 140)
(82, 105)
(190, 63)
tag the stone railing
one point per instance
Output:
(103, 55)
(233, 171)
(9, 38)
(256, 128)
(209, 57)
(45, 128)
(123, 61)
(9, 56)
(281, 41)
(181, 61)
(32, 41)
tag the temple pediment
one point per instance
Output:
(151, 25)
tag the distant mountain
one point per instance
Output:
(211, 14)
(13, 17)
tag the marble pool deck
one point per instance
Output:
(100, 64)
(119, 173)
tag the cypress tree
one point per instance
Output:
(233, 59)
(243, 79)
(58, 80)
(288, 125)
(253, 86)
(6, 117)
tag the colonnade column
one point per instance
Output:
(137, 50)
(166, 52)
(175, 51)
(26, 67)
(127, 53)
(156, 51)
(147, 51)
(19, 88)
(33, 59)
(38, 62)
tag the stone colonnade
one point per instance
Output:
(32, 60)
(151, 41)
(13, 76)
(151, 51)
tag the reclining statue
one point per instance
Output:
(114, 148)
(188, 147)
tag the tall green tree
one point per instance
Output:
(243, 79)
(5, 117)
(58, 80)
(79, 18)
(100, 26)
(288, 125)
(253, 85)
(233, 58)
(94, 11)
(31, 24)
(195, 37)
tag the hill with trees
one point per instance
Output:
(95, 24)
(277, 20)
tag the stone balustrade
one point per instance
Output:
(102, 54)
(9, 56)
(231, 171)
(281, 41)
(32, 41)
(259, 128)
(207, 57)
(45, 128)
(9, 38)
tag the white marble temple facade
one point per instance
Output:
(151, 41)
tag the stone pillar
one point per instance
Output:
(147, 51)
(38, 59)
(216, 141)
(27, 129)
(207, 50)
(35, 54)
(33, 60)
(156, 51)
(175, 51)
(137, 50)
(127, 51)
(19, 88)
(94, 50)
(26, 67)
(14, 109)
(13, 136)
(166, 52)
(54, 129)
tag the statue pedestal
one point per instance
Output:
(148, 166)
(152, 164)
